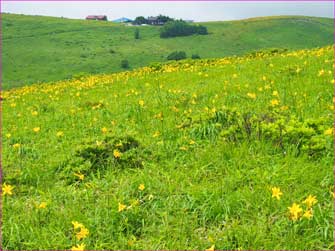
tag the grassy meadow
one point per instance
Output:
(43, 49)
(211, 154)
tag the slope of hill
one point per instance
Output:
(227, 154)
(41, 49)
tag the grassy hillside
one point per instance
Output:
(40, 49)
(233, 153)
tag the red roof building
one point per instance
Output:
(98, 17)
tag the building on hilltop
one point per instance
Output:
(97, 17)
(154, 21)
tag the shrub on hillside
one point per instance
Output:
(181, 28)
(137, 34)
(195, 56)
(124, 64)
(176, 55)
(140, 20)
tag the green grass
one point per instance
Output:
(223, 143)
(42, 49)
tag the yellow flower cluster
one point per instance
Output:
(296, 212)
(80, 235)
(103, 79)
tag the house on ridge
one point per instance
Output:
(97, 17)
(154, 21)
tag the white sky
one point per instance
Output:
(198, 11)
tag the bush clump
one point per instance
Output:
(124, 64)
(137, 34)
(176, 55)
(181, 28)
(96, 157)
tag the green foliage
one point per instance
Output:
(180, 29)
(283, 131)
(125, 64)
(195, 56)
(164, 19)
(137, 34)
(96, 157)
(140, 20)
(176, 55)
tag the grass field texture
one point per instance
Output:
(42, 49)
(231, 153)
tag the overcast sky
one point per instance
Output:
(198, 11)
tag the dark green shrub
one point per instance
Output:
(181, 28)
(137, 34)
(176, 55)
(112, 153)
(140, 20)
(124, 64)
(195, 56)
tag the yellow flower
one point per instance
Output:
(156, 134)
(251, 95)
(275, 93)
(8, 135)
(60, 134)
(135, 203)
(119, 144)
(104, 130)
(192, 142)
(77, 225)
(141, 187)
(122, 207)
(34, 113)
(42, 205)
(17, 145)
(295, 211)
(159, 116)
(79, 175)
(274, 102)
(329, 131)
(79, 247)
(276, 193)
(284, 108)
(141, 102)
(7, 189)
(116, 154)
(310, 201)
(308, 214)
(83, 233)
(211, 248)
(36, 129)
